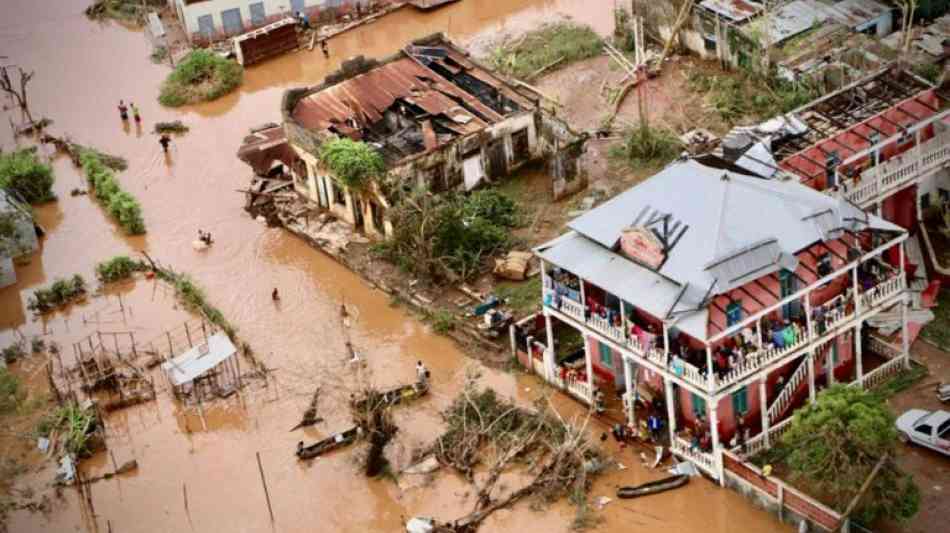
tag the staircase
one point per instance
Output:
(786, 398)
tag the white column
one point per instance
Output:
(630, 393)
(764, 408)
(900, 264)
(590, 367)
(670, 407)
(709, 368)
(623, 320)
(514, 345)
(858, 350)
(830, 363)
(713, 407)
(549, 352)
(857, 290)
(811, 375)
(905, 338)
(811, 327)
(666, 344)
(758, 333)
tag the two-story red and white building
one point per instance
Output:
(720, 300)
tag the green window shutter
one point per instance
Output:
(733, 313)
(606, 355)
(699, 405)
(740, 401)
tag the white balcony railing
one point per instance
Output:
(882, 373)
(703, 460)
(757, 443)
(878, 182)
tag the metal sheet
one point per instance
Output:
(197, 361)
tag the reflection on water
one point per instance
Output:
(82, 71)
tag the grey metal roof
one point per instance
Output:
(734, 10)
(788, 20)
(197, 361)
(627, 280)
(738, 267)
(724, 212)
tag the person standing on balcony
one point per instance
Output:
(654, 423)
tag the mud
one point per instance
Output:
(83, 69)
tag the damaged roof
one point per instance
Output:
(430, 94)
(734, 10)
(199, 360)
(263, 147)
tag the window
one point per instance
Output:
(834, 354)
(786, 280)
(824, 264)
(339, 197)
(699, 405)
(520, 146)
(925, 200)
(733, 313)
(606, 355)
(258, 15)
(943, 429)
(709, 44)
(740, 401)
(926, 429)
(944, 194)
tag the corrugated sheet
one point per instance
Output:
(197, 361)
(734, 10)
(738, 267)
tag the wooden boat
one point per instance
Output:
(653, 487)
(399, 395)
(337, 440)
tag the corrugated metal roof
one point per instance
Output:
(734, 10)
(199, 360)
(724, 211)
(788, 20)
(854, 13)
(625, 279)
(738, 267)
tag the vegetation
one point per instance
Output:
(57, 295)
(442, 321)
(11, 393)
(13, 352)
(118, 268)
(354, 163)
(937, 332)
(74, 427)
(749, 96)
(175, 126)
(200, 77)
(122, 206)
(133, 11)
(520, 296)
(449, 236)
(24, 174)
(194, 298)
(562, 43)
(648, 146)
(834, 444)
(928, 71)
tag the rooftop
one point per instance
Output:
(730, 229)
(419, 100)
(197, 361)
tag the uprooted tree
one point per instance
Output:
(833, 447)
(485, 431)
(17, 90)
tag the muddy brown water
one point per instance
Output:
(82, 70)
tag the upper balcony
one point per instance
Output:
(771, 329)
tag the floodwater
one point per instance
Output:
(200, 472)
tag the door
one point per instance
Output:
(358, 212)
(231, 21)
(206, 26)
(257, 14)
(295, 6)
(497, 160)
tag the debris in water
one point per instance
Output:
(603, 501)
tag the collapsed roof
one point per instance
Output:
(423, 98)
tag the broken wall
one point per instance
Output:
(562, 149)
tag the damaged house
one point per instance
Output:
(441, 122)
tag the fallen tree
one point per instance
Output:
(485, 430)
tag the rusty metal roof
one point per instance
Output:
(734, 10)
(363, 100)
(261, 148)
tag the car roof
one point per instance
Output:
(935, 418)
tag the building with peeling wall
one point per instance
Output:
(441, 121)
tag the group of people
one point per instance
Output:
(124, 110)
(205, 237)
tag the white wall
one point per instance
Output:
(215, 7)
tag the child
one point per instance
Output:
(123, 111)
(135, 113)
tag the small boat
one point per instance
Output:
(337, 440)
(399, 394)
(653, 487)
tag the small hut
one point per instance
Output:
(207, 370)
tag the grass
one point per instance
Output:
(73, 424)
(938, 331)
(118, 268)
(201, 76)
(61, 293)
(11, 393)
(22, 172)
(648, 146)
(194, 298)
(14, 351)
(131, 11)
(522, 297)
(175, 126)
(901, 382)
(121, 205)
(442, 321)
(742, 96)
(540, 48)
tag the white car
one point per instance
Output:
(927, 428)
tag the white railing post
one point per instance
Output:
(629, 393)
(857, 290)
(549, 353)
(808, 320)
(590, 366)
(670, 407)
(709, 369)
(811, 375)
(858, 351)
(905, 337)
(763, 403)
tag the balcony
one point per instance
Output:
(836, 313)
(879, 182)
(704, 460)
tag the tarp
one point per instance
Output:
(199, 360)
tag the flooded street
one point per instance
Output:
(82, 70)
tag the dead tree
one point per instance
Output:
(18, 93)
(681, 19)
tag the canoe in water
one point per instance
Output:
(328, 444)
(653, 487)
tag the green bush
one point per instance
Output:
(118, 268)
(14, 351)
(201, 76)
(354, 163)
(59, 294)
(645, 145)
(746, 95)
(73, 425)
(24, 174)
(10, 392)
(542, 47)
(122, 206)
